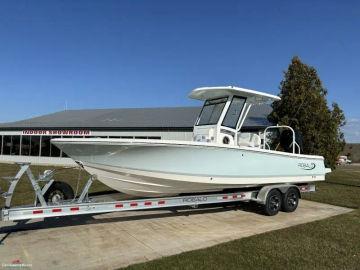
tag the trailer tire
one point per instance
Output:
(58, 192)
(290, 200)
(273, 202)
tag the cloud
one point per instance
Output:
(352, 130)
(353, 120)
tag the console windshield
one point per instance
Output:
(233, 113)
(211, 111)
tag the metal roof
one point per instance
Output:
(129, 119)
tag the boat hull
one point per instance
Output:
(152, 169)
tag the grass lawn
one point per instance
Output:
(342, 187)
(333, 243)
(24, 193)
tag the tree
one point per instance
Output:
(304, 107)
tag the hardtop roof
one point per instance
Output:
(254, 97)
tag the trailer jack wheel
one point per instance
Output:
(58, 192)
(273, 202)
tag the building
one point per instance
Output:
(29, 140)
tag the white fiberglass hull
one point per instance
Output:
(161, 168)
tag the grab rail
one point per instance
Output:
(294, 144)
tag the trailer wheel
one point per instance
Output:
(290, 200)
(58, 192)
(273, 202)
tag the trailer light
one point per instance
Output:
(148, 203)
(225, 197)
(56, 210)
(38, 211)
(234, 196)
(161, 202)
(119, 205)
(134, 204)
(74, 209)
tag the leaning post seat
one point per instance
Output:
(249, 139)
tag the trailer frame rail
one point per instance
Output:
(85, 205)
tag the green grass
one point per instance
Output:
(342, 187)
(24, 193)
(328, 244)
(333, 243)
(345, 174)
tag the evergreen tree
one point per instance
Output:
(303, 106)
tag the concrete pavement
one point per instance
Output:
(114, 240)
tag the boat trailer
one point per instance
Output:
(83, 204)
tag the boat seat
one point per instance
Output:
(249, 140)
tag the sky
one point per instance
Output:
(119, 54)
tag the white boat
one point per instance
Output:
(220, 157)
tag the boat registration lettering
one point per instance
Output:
(195, 199)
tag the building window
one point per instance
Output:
(61, 153)
(148, 137)
(25, 146)
(10, 145)
(7, 145)
(154, 138)
(55, 152)
(45, 146)
(30, 145)
(35, 146)
(15, 150)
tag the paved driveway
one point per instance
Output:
(114, 240)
